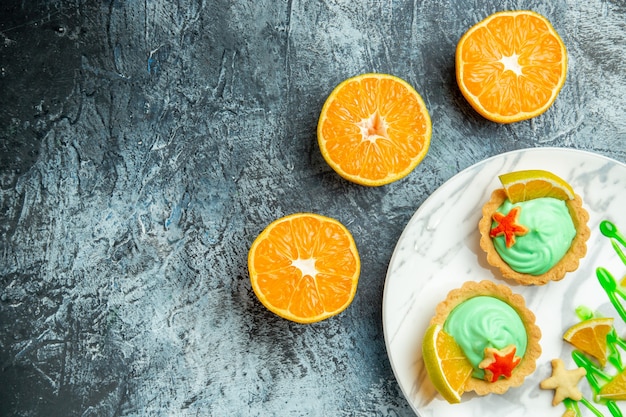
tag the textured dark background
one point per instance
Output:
(145, 144)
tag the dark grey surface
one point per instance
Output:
(145, 144)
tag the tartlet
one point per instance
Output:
(500, 292)
(568, 262)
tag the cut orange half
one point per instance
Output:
(530, 184)
(374, 129)
(590, 337)
(511, 66)
(447, 366)
(304, 267)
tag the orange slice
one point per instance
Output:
(590, 337)
(511, 66)
(447, 366)
(374, 129)
(614, 389)
(527, 185)
(304, 267)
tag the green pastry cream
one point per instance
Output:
(482, 322)
(550, 234)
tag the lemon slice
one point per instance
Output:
(447, 366)
(590, 337)
(530, 184)
(614, 389)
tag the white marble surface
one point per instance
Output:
(439, 250)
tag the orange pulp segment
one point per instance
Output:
(447, 366)
(530, 184)
(374, 129)
(590, 337)
(511, 66)
(304, 267)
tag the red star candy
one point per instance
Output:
(499, 362)
(508, 226)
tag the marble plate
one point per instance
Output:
(439, 250)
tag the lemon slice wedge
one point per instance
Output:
(530, 184)
(447, 366)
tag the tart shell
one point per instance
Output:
(568, 263)
(502, 292)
